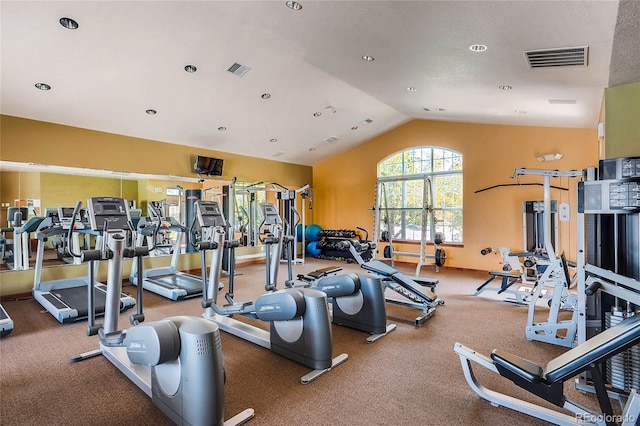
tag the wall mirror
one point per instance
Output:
(292, 204)
(40, 188)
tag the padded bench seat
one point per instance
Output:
(387, 271)
(530, 371)
(600, 347)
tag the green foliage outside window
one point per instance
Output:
(403, 176)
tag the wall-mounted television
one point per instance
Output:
(208, 166)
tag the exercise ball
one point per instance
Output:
(312, 232)
(312, 249)
(299, 230)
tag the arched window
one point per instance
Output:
(420, 194)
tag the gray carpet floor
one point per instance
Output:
(409, 377)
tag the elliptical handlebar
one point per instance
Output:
(76, 211)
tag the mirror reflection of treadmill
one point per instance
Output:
(6, 323)
(168, 281)
(66, 299)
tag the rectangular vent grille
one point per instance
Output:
(562, 57)
(331, 139)
(562, 101)
(203, 347)
(238, 69)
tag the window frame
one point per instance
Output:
(434, 224)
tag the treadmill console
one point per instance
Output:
(210, 214)
(50, 212)
(270, 214)
(114, 212)
(65, 215)
(156, 210)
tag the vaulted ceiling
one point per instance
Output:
(296, 85)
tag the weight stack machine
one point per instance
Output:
(533, 225)
(609, 253)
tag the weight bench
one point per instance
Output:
(406, 286)
(508, 279)
(547, 383)
(313, 276)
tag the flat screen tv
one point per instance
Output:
(208, 166)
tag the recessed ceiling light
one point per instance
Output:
(273, 140)
(69, 23)
(265, 95)
(354, 128)
(190, 68)
(425, 109)
(152, 112)
(366, 122)
(505, 87)
(317, 114)
(43, 86)
(222, 129)
(294, 5)
(312, 149)
(521, 111)
(477, 47)
(440, 109)
(368, 58)
(412, 89)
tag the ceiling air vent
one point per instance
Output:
(331, 139)
(562, 101)
(238, 69)
(561, 57)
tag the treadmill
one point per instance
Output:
(165, 281)
(67, 299)
(21, 244)
(6, 323)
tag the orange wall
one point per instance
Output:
(344, 186)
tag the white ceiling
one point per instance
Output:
(129, 56)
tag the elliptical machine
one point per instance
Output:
(300, 328)
(176, 361)
(357, 301)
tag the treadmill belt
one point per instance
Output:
(190, 283)
(76, 298)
